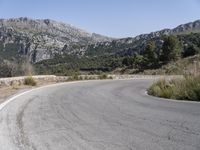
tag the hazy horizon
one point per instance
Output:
(111, 18)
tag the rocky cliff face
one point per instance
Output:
(42, 39)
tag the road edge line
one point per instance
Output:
(7, 101)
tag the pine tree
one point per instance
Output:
(171, 49)
(150, 55)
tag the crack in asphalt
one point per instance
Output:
(22, 139)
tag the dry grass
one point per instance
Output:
(186, 66)
(30, 81)
(89, 77)
(7, 91)
(10, 90)
(187, 88)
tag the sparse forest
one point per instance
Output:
(152, 56)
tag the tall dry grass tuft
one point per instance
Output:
(187, 88)
(30, 81)
(28, 69)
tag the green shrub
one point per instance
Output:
(75, 77)
(86, 78)
(91, 78)
(80, 78)
(154, 90)
(70, 79)
(30, 81)
(103, 76)
(192, 85)
(162, 88)
(110, 77)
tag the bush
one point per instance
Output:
(162, 88)
(192, 85)
(103, 76)
(74, 78)
(187, 88)
(91, 78)
(30, 81)
(80, 78)
(86, 78)
(110, 77)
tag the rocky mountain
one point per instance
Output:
(38, 39)
(43, 39)
(181, 29)
(128, 46)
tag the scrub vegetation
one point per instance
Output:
(187, 88)
(30, 81)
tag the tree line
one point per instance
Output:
(173, 48)
(151, 57)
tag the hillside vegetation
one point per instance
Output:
(184, 66)
(187, 88)
(176, 55)
(29, 46)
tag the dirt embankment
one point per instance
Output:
(14, 85)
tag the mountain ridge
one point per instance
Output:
(41, 39)
(136, 44)
(177, 30)
(26, 22)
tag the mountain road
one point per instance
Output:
(98, 115)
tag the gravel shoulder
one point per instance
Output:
(11, 90)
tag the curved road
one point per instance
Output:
(98, 115)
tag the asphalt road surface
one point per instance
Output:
(98, 115)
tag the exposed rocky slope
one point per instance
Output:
(181, 29)
(42, 39)
(128, 46)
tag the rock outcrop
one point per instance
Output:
(129, 46)
(42, 39)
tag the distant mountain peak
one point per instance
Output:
(181, 29)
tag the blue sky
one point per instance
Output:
(116, 18)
